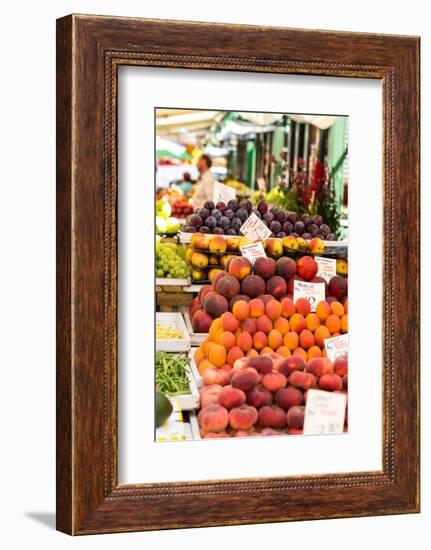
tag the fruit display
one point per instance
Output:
(171, 374)
(167, 332)
(165, 223)
(181, 208)
(226, 219)
(170, 260)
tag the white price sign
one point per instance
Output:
(337, 346)
(254, 229)
(313, 292)
(253, 251)
(326, 268)
(223, 193)
(324, 413)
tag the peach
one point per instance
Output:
(240, 267)
(232, 244)
(249, 325)
(272, 416)
(340, 365)
(286, 267)
(199, 260)
(213, 418)
(323, 310)
(234, 354)
(244, 433)
(217, 244)
(253, 286)
(306, 339)
(297, 322)
(217, 355)
(338, 287)
(291, 364)
(275, 339)
(320, 334)
(333, 323)
(345, 382)
(257, 308)
(319, 366)
(276, 359)
(274, 381)
(229, 322)
(240, 364)
(258, 397)
(245, 341)
(227, 340)
(300, 352)
(246, 379)
(264, 267)
(312, 321)
(345, 323)
(242, 417)
(194, 305)
(282, 325)
(216, 275)
(213, 375)
(201, 321)
(304, 380)
(227, 286)
(230, 397)
(302, 306)
(287, 307)
(316, 245)
(214, 435)
(288, 397)
(215, 305)
(306, 267)
(209, 395)
(284, 351)
(273, 310)
(237, 298)
(262, 364)
(291, 340)
(276, 286)
(264, 324)
(252, 353)
(224, 260)
(274, 247)
(337, 308)
(295, 417)
(294, 431)
(270, 431)
(260, 340)
(330, 382)
(241, 310)
(314, 352)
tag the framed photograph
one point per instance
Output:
(237, 315)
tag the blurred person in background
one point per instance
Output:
(205, 184)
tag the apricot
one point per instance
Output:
(330, 382)
(287, 307)
(266, 350)
(260, 340)
(288, 397)
(263, 364)
(275, 339)
(274, 381)
(273, 310)
(234, 354)
(241, 310)
(245, 379)
(314, 352)
(323, 310)
(264, 324)
(319, 366)
(238, 298)
(300, 352)
(215, 326)
(209, 395)
(244, 341)
(252, 353)
(213, 418)
(258, 397)
(229, 322)
(320, 334)
(257, 308)
(302, 306)
(341, 365)
(282, 325)
(312, 321)
(295, 417)
(249, 325)
(291, 340)
(333, 323)
(276, 286)
(253, 286)
(346, 305)
(304, 380)
(240, 267)
(291, 364)
(230, 397)
(217, 355)
(227, 340)
(284, 351)
(306, 339)
(337, 308)
(272, 416)
(345, 323)
(242, 417)
(205, 364)
(215, 305)
(297, 322)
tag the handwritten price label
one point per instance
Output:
(324, 413)
(337, 346)
(253, 251)
(254, 229)
(326, 268)
(223, 193)
(313, 292)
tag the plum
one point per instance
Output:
(233, 204)
(287, 227)
(209, 205)
(292, 217)
(195, 220)
(275, 226)
(211, 222)
(221, 206)
(229, 214)
(268, 217)
(262, 207)
(242, 214)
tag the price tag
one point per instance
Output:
(254, 229)
(337, 346)
(326, 268)
(313, 292)
(223, 193)
(324, 413)
(253, 251)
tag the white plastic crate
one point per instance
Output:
(174, 320)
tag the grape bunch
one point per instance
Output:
(170, 261)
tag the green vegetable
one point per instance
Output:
(163, 408)
(171, 373)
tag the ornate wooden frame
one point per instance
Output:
(89, 51)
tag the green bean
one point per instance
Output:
(171, 373)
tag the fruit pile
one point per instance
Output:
(170, 261)
(165, 223)
(263, 395)
(181, 208)
(226, 219)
